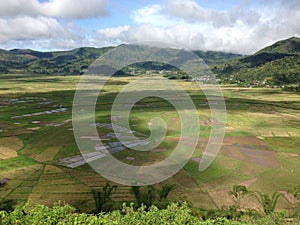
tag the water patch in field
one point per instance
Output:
(41, 113)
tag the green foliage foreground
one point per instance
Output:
(39, 214)
(174, 214)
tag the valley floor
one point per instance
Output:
(260, 149)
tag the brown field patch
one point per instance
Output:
(70, 188)
(9, 147)
(252, 150)
(221, 198)
(289, 197)
(294, 154)
(294, 133)
(265, 133)
(228, 141)
(53, 182)
(265, 158)
(280, 133)
(4, 193)
(232, 151)
(23, 190)
(23, 173)
(48, 154)
(18, 196)
(250, 141)
(248, 183)
(50, 169)
(6, 153)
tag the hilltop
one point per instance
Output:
(291, 46)
(277, 64)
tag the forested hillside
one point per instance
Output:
(278, 64)
(76, 61)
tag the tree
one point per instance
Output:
(146, 197)
(7, 205)
(268, 203)
(103, 201)
(152, 196)
(165, 190)
(238, 192)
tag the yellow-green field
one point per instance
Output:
(260, 149)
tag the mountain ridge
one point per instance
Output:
(75, 61)
(277, 64)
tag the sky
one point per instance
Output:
(238, 26)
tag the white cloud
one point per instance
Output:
(148, 32)
(35, 24)
(14, 8)
(192, 12)
(151, 14)
(37, 32)
(28, 27)
(69, 9)
(245, 28)
(75, 8)
(113, 33)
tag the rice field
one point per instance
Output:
(260, 149)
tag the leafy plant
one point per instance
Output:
(165, 191)
(295, 191)
(103, 201)
(7, 205)
(150, 195)
(268, 203)
(238, 192)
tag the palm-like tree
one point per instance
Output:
(268, 203)
(103, 199)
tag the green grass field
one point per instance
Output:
(261, 143)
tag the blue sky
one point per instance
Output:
(242, 26)
(120, 11)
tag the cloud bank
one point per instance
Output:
(46, 25)
(244, 28)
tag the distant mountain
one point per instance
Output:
(61, 62)
(214, 57)
(76, 61)
(277, 64)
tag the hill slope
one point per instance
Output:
(274, 65)
(64, 62)
(76, 61)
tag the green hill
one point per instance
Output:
(277, 64)
(64, 62)
(76, 61)
(291, 45)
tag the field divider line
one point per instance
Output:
(200, 188)
(43, 168)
